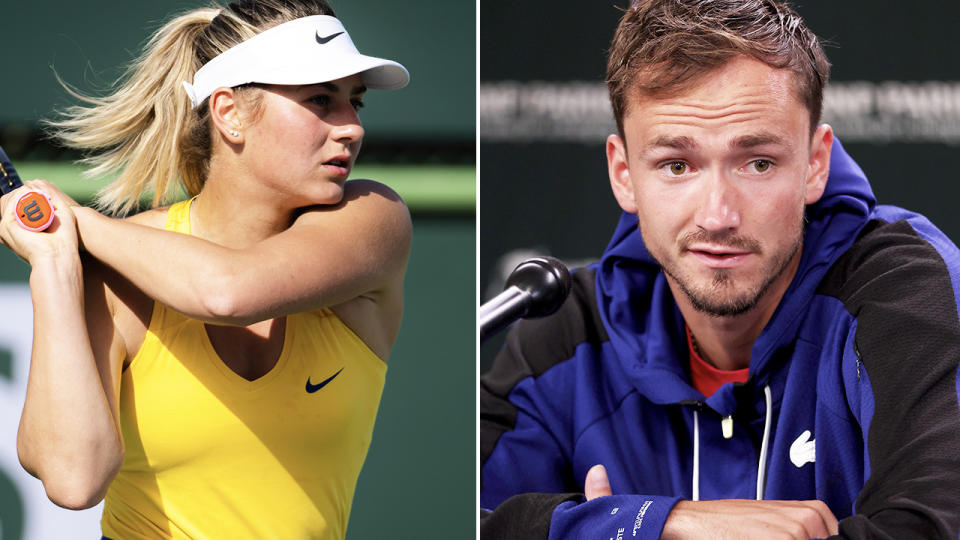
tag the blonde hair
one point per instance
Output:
(146, 129)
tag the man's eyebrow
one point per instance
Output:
(757, 139)
(681, 142)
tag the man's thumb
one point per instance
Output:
(596, 484)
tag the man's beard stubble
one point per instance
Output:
(709, 300)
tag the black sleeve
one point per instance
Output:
(898, 287)
(525, 516)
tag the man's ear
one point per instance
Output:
(618, 169)
(819, 166)
(226, 115)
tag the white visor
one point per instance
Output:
(309, 50)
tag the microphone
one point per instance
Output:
(536, 288)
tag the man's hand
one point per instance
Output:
(737, 518)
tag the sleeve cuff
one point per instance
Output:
(616, 517)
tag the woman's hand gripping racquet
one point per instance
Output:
(34, 209)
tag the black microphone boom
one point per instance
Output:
(536, 288)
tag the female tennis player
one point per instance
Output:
(214, 368)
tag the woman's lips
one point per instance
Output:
(336, 168)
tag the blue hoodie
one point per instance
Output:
(852, 396)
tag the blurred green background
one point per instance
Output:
(420, 141)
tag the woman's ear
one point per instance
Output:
(226, 115)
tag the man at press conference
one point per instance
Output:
(763, 350)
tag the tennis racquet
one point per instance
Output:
(34, 209)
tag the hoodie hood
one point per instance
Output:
(644, 323)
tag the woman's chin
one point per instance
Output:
(330, 195)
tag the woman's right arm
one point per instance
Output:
(329, 255)
(69, 435)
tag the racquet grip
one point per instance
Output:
(34, 211)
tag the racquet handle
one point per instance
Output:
(34, 209)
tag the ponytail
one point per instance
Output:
(136, 129)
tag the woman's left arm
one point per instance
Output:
(357, 248)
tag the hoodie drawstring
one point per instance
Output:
(761, 468)
(696, 457)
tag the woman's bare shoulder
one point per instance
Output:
(362, 190)
(367, 205)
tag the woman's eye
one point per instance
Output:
(761, 165)
(357, 104)
(322, 100)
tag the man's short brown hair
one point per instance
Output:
(663, 46)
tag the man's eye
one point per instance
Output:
(761, 165)
(677, 167)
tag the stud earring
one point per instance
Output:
(234, 133)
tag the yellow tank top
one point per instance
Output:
(210, 454)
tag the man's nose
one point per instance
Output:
(718, 207)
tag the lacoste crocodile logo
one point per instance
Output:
(311, 388)
(321, 40)
(803, 450)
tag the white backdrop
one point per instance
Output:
(40, 518)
